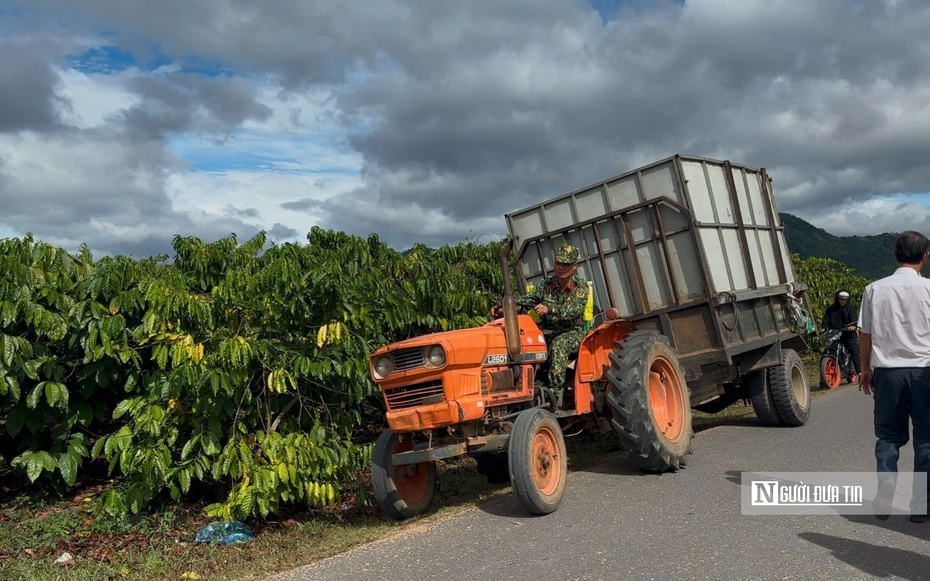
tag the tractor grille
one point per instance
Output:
(413, 395)
(407, 358)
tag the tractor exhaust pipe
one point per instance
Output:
(511, 328)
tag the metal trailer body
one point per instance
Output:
(689, 246)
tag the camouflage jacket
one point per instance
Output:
(566, 307)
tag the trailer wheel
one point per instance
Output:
(402, 491)
(760, 394)
(830, 374)
(650, 401)
(538, 462)
(791, 390)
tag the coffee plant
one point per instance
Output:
(242, 367)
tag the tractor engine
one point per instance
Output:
(456, 377)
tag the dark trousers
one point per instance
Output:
(851, 341)
(902, 394)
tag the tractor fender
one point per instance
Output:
(593, 353)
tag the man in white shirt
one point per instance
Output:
(895, 338)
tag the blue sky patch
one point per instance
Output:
(251, 150)
(111, 59)
(608, 9)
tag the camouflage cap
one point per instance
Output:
(566, 254)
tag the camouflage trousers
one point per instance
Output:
(560, 347)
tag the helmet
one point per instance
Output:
(842, 295)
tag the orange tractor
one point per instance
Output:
(697, 322)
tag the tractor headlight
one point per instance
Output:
(382, 366)
(436, 356)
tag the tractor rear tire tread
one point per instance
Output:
(628, 399)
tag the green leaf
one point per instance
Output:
(85, 413)
(78, 445)
(47, 461)
(52, 393)
(99, 445)
(31, 369)
(9, 350)
(32, 400)
(13, 386)
(121, 408)
(33, 468)
(68, 464)
(184, 478)
(15, 420)
(188, 447)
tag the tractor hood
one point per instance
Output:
(462, 347)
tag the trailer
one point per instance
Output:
(690, 247)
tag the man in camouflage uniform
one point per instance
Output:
(560, 300)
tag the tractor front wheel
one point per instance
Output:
(650, 402)
(402, 491)
(538, 462)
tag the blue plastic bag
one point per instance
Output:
(224, 532)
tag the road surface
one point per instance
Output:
(618, 523)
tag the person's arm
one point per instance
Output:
(573, 308)
(853, 319)
(865, 342)
(530, 299)
(865, 362)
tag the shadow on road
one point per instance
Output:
(506, 507)
(898, 523)
(622, 466)
(876, 560)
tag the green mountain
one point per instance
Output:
(869, 256)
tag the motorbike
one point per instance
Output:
(835, 361)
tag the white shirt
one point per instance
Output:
(896, 313)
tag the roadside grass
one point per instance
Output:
(36, 530)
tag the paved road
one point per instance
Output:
(617, 523)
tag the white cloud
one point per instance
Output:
(876, 216)
(94, 98)
(266, 191)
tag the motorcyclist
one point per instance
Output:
(842, 316)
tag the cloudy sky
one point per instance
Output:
(124, 122)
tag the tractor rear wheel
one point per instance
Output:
(538, 462)
(791, 390)
(402, 491)
(650, 401)
(830, 373)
